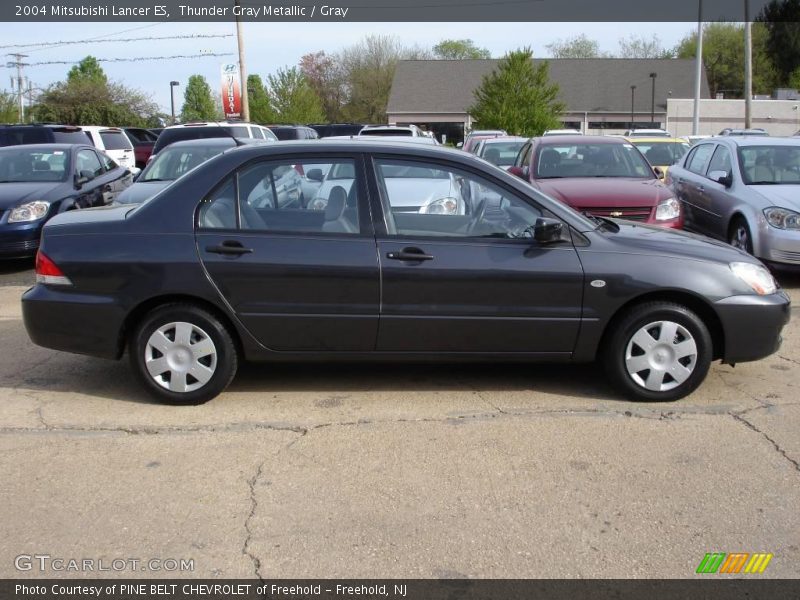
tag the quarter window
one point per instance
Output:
(424, 199)
(721, 161)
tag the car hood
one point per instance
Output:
(785, 196)
(14, 194)
(610, 192)
(141, 191)
(654, 240)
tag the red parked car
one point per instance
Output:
(603, 176)
(143, 141)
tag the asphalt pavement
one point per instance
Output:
(432, 471)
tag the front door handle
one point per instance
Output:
(230, 248)
(409, 254)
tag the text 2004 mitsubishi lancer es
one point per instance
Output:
(375, 250)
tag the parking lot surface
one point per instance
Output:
(394, 470)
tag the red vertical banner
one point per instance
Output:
(231, 91)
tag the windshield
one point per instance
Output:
(21, 164)
(770, 165)
(662, 153)
(502, 154)
(591, 160)
(173, 162)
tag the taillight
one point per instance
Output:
(48, 272)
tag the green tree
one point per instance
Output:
(9, 109)
(459, 50)
(198, 103)
(518, 97)
(578, 46)
(292, 98)
(260, 109)
(325, 76)
(88, 97)
(723, 58)
(780, 19)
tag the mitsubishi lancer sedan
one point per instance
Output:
(202, 277)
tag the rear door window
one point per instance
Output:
(699, 159)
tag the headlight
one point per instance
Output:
(668, 209)
(756, 276)
(782, 218)
(440, 206)
(30, 211)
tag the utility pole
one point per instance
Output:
(698, 75)
(242, 69)
(17, 62)
(633, 95)
(748, 67)
(653, 101)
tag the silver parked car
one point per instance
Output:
(745, 190)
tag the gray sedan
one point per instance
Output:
(746, 191)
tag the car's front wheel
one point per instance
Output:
(740, 237)
(183, 354)
(658, 352)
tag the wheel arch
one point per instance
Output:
(694, 303)
(139, 311)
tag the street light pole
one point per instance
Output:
(633, 95)
(172, 85)
(653, 101)
(748, 67)
(698, 75)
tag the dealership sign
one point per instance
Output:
(231, 91)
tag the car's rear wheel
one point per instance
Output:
(739, 236)
(183, 354)
(658, 352)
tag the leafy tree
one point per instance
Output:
(782, 42)
(723, 57)
(459, 50)
(88, 97)
(641, 47)
(518, 97)
(579, 46)
(292, 98)
(9, 109)
(260, 108)
(326, 78)
(198, 103)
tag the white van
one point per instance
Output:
(114, 142)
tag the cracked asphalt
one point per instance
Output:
(499, 471)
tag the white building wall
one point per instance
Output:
(777, 117)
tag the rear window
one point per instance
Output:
(169, 136)
(388, 132)
(71, 137)
(115, 140)
(286, 133)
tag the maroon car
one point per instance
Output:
(603, 176)
(143, 141)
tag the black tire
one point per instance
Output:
(219, 364)
(739, 235)
(665, 353)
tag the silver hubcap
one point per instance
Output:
(661, 356)
(180, 357)
(740, 238)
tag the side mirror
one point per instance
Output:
(659, 173)
(547, 231)
(518, 171)
(83, 177)
(721, 177)
(315, 175)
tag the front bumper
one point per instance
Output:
(752, 325)
(71, 322)
(19, 240)
(780, 246)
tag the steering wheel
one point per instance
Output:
(477, 217)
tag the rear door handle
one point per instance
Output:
(409, 254)
(701, 189)
(230, 248)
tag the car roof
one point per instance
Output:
(764, 140)
(504, 138)
(579, 139)
(367, 144)
(50, 147)
(211, 124)
(216, 141)
(657, 140)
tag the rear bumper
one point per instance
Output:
(70, 322)
(752, 325)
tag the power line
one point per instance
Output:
(133, 59)
(44, 45)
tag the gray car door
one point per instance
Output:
(717, 199)
(690, 185)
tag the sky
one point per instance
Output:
(270, 46)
